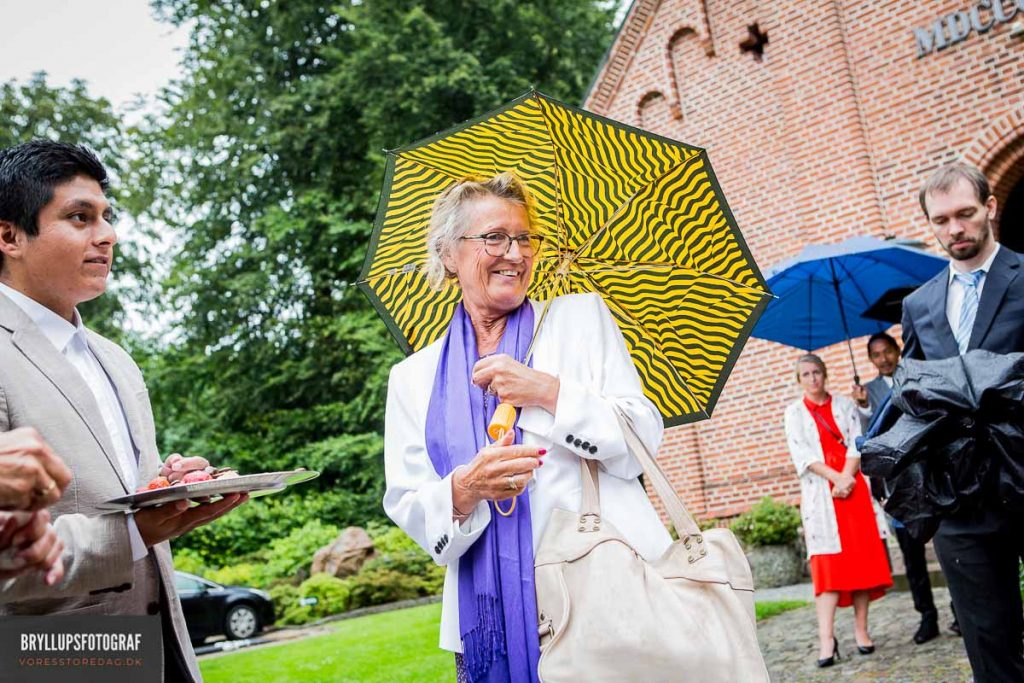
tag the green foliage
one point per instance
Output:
(397, 552)
(254, 527)
(380, 585)
(767, 523)
(709, 523)
(240, 574)
(257, 557)
(287, 608)
(331, 594)
(189, 561)
(292, 554)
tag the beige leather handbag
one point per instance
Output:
(606, 614)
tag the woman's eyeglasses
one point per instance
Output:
(499, 243)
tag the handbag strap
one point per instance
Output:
(685, 525)
(828, 427)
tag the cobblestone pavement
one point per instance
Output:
(790, 645)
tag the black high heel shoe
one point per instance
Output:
(865, 649)
(829, 661)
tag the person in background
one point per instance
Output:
(977, 303)
(884, 354)
(843, 527)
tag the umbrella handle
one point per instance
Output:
(504, 419)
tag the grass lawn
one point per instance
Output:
(771, 608)
(393, 646)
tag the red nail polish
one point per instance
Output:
(542, 451)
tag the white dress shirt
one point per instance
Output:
(71, 341)
(955, 291)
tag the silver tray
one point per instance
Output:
(209, 491)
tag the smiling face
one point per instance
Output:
(884, 356)
(69, 260)
(811, 379)
(962, 223)
(492, 286)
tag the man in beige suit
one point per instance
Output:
(85, 397)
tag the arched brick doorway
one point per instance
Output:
(999, 153)
(1011, 218)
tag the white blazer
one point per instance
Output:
(580, 344)
(821, 532)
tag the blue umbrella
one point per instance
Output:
(822, 293)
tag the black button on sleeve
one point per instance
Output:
(568, 439)
(577, 443)
(593, 450)
(586, 446)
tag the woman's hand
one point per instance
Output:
(843, 485)
(491, 474)
(515, 383)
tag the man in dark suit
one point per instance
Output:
(978, 303)
(884, 354)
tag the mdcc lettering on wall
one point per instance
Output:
(956, 27)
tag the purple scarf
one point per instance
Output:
(497, 600)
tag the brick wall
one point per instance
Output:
(828, 135)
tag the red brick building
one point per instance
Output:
(821, 119)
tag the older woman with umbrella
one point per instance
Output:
(460, 495)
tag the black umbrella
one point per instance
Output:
(888, 308)
(960, 438)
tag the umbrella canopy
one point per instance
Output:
(822, 292)
(636, 217)
(889, 307)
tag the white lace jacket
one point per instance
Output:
(821, 532)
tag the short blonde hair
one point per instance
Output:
(448, 217)
(813, 360)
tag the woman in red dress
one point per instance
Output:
(842, 527)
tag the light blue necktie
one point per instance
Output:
(969, 310)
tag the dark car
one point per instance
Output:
(212, 609)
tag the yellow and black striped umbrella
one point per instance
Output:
(636, 217)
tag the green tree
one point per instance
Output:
(35, 109)
(272, 144)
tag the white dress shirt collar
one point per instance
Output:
(984, 267)
(55, 328)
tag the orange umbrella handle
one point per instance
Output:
(503, 421)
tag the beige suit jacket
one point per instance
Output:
(40, 388)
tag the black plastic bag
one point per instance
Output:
(960, 437)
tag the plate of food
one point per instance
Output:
(217, 483)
